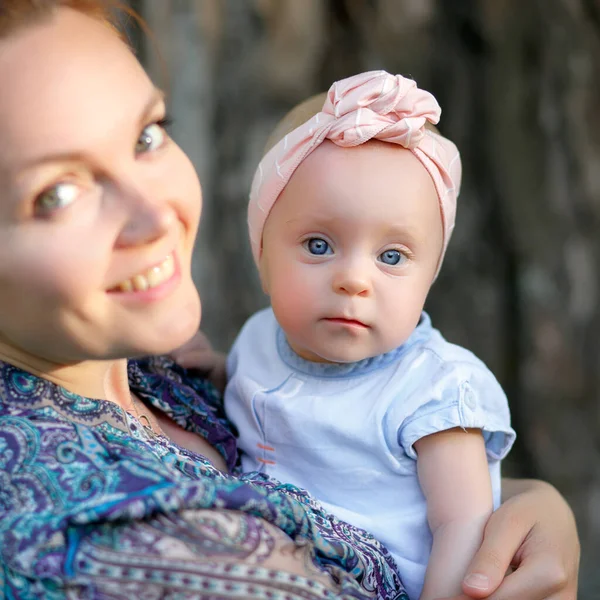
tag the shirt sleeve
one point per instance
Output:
(459, 394)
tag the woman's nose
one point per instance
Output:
(148, 219)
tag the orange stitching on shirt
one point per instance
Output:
(266, 462)
(269, 448)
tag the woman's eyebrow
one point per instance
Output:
(157, 97)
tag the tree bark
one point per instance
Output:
(519, 84)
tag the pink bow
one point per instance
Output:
(377, 105)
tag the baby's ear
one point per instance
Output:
(263, 273)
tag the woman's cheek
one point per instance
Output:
(58, 269)
(189, 190)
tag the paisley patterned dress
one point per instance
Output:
(92, 505)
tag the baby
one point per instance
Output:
(343, 387)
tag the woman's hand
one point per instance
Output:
(199, 354)
(533, 532)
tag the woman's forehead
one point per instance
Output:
(71, 79)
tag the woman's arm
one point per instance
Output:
(454, 475)
(534, 531)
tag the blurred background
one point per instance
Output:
(519, 84)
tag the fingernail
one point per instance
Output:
(477, 581)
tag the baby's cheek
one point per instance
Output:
(401, 323)
(293, 299)
(294, 282)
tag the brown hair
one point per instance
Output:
(17, 14)
(303, 112)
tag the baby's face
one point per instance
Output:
(350, 250)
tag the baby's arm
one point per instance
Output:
(453, 473)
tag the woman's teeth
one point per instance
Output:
(151, 278)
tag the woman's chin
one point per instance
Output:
(179, 329)
(166, 333)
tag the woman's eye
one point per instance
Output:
(56, 198)
(317, 246)
(391, 257)
(153, 137)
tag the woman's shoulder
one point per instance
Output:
(28, 396)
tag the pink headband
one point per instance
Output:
(373, 105)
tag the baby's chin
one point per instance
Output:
(345, 355)
(350, 353)
(343, 351)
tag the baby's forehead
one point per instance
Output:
(373, 159)
(356, 183)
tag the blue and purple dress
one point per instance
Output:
(92, 505)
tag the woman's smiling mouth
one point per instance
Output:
(149, 279)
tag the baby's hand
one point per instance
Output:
(199, 354)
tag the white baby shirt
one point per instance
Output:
(345, 432)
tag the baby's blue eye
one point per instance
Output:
(390, 257)
(317, 246)
(152, 137)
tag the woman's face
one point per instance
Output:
(98, 206)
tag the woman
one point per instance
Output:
(113, 471)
